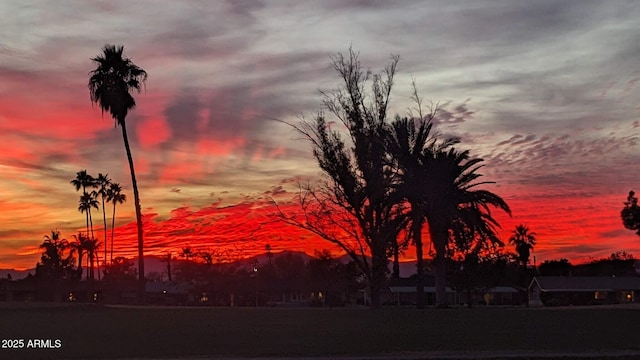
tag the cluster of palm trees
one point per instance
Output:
(57, 258)
(440, 184)
(95, 190)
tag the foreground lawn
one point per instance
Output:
(107, 332)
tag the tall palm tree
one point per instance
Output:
(406, 140)
(451, 196)
(523, 240)
(167, 258)
(102, 184)
(83, 181)
(110, 87)
(114, 196)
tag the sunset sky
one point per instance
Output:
(545, 91)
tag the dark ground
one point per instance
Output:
(93, 331)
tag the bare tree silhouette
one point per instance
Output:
(355, 208)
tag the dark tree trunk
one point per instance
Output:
(87, 216)
(378, 276)
(439, 239)
(417, 239)
(113, 224)
(91, 225)
(104, 217)
(93, 239)
(80, 254)
(91, 274)
(136, 196)
(396, 260)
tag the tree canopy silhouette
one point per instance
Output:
(631, 213)
(523, 240)
(56, 262)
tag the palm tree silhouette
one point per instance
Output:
(91, 246)
(406, 141)
(523, 240)
(451, 196)
(86, 203)
(114, 196)
(102, 184)
(83, 181)
(187, 253)
(80, 245)
(110, 86)
(53, 263)
(167, 258)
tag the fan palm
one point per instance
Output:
(110, 87)
(80, 245)
(87, 202)
(187, 253)
(114, 196)
(83, 181)
(523, 240)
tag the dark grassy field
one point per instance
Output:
(105, 332)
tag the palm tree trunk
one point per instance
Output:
(91, 273)
(396, 259)
(378, 275)
(91, 224)
(87, 216)
(104, 217)
(417, 239)
(92, 238)
(439, 238)
(113, 224)
(84, 192)
(80, 254)
(97, 255)
(136, 196)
